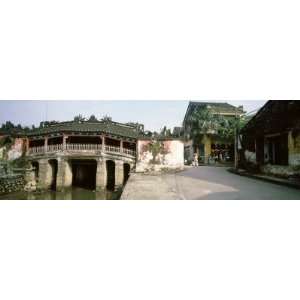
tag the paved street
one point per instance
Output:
(204, 183)
(217, 183)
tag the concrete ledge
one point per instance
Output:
(266, 178)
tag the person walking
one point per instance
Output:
(195, 161)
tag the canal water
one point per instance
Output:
(74, 193)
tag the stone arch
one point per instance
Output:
(126, 172)
(111, 174)
(53, 163)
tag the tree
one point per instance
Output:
(155, 148)
(201, 122)
(166, 132)
(79, 118)
(93, 119)
(106, 119)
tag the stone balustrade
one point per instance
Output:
(80, 147)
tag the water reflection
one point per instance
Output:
(75, 193)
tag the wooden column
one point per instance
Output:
(103, 143)
(46, 144)
(65, 141)
(121, 146)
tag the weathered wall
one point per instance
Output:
(206, 140)
(169, 156)
(294, 149)
(30, 181)
(101, 175)
(45, 175)
(250, 156)
(16, 149)
(12, 184)
(188, 151)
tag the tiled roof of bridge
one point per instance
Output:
(109, 127)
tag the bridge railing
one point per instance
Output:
(83, 147)
(80, 147)
(54, 148)
(36, 150)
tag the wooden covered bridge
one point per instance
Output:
(95, 155)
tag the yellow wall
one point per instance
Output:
(206, 140)
(294, 149)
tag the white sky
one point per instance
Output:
(153, 114)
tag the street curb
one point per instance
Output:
(271, 180)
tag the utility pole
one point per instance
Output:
(236, 148)
(236, 142)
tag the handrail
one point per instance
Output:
(80, 147)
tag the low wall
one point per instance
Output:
(16, 149)
(294, 149)
(250, 156)
(279, 171)
(160, 155)
(13, 183)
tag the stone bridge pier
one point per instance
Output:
(101, 173)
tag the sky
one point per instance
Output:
(153, 114)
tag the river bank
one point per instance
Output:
(74, 193)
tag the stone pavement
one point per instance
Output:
(150, 187)
(204, 182)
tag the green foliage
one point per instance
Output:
(79, 118)
(296, 168)
(106, 119)
(6, 141)
(203, 122)
(93, 119)
(166, 132)
(20, 162)
(156, 147)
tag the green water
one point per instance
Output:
(74, 193)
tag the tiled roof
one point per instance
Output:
(215, 107)
(221, 107)
(108, 127)
(275, 116)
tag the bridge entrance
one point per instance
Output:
(126, 170)
(111, 170)
(35, 165)
(84, 173)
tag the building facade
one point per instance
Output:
(209, 145)
(271, 139)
